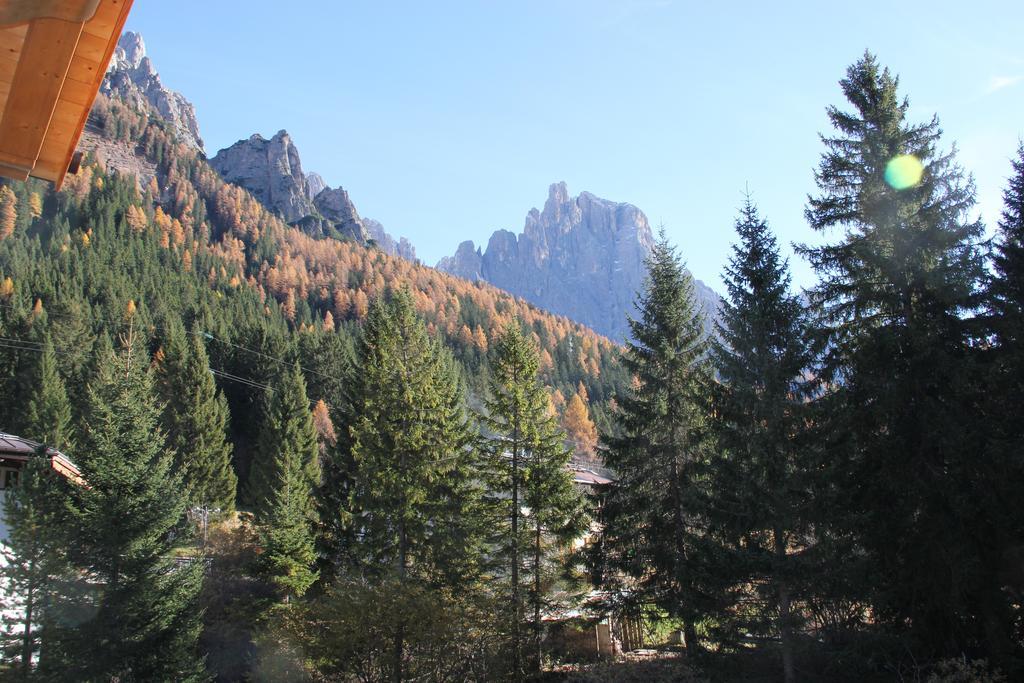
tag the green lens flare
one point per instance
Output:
(903, 171)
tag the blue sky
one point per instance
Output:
(448, 120)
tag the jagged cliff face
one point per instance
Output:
(581, 257)
(271, 171)
(131, 77)
(387, 243)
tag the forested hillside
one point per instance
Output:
(207, 254)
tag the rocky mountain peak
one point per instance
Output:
(557, 203)
(132, 77)
(271, 170)
(130, 51)
(315, 184)
(581, 257)
(403, 247)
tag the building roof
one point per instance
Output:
(53, 55)
(583, 475)
(18, 449)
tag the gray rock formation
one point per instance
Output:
(581, 257)
(271, 171)
(131, 76)
(334, 205)
(467, 263)
(387, 243)
(314, 184)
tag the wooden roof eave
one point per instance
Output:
(51, 69)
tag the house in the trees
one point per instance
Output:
(15, 452)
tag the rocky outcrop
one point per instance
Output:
(314, 184)
(334, 205)
(271, 170)
(131, 77)
(387, 243)
(581, 257)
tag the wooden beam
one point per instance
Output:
(101, 22)
(20, 11)
(49, 47)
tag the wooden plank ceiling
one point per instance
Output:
(53, 54)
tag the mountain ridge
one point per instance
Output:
(132, 77)
(271, 169)
(582, 257)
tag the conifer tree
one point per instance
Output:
(145, 620)
(195, 420)
(35, 562)
(48, 412)
(528, 461)
(653, 524)
(287, 442)
(418, 505)
(1004, 389)
(579, 427)
(759, 474)
(1006, 292)
(897, 293)
(283, 481)
(286, 531)
(8, 212)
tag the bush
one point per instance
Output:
(965, 671)
(350, 632)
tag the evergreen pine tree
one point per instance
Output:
(760, 473)
(1004, 390)
(35, 562)
(1006, 292)
(48, 412)
(334, 386)
(283, 481)
(896, 295)
(653, 524)
(528, 468)
(418, 506)
(287, 441)
(286, 532)
(195, 420)
(146, 622)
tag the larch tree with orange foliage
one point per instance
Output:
(579, 428)
(8, 212)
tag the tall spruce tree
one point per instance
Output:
(334, 382)
(1005, 392)
(759, 474)
(195, 418)
(419, 520)
(287, 441)
(286, 532)
(35, 567)
(653, 525)
(896, 295)
(145, 621)
(1006, 293)
(283, 481)
(48, 412)
(527, 467)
